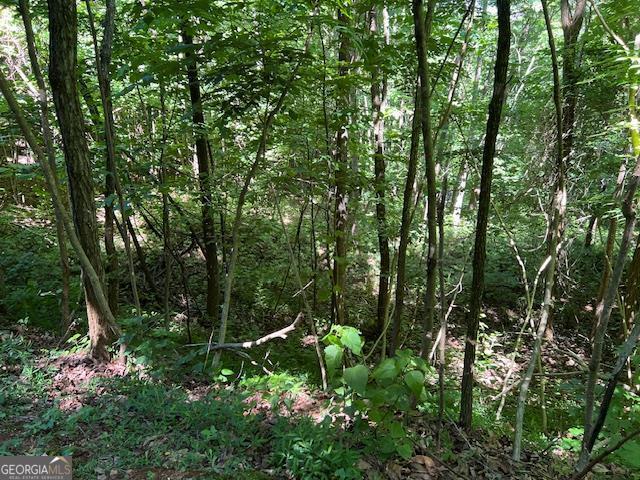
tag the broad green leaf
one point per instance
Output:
(356, 377)
(396, 430)
(333, 355)
(352, 340)
(414, 380)
(386, 371)
(405, 450)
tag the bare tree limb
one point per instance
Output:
(282, 333)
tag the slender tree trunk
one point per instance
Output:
(378, 100)
(408, 201)
(571, 25)
(463, 173)
(49, 146)
(205, 172)
(62, 76)
(479, 254)
(112, 277)
(166, 219)
(235, 233)
(341, 219)
(558, 209)
(422, 27)
(610, 243)
(628, 208)
(623, 356)
(113, 188)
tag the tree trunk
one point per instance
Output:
(62, 76)
(408, 201)
(557, 215)
(479, 254)
(47, 136)
(341, 172)
(378, 100)
(205, 172)
(610, 243)
(113, 188)
(571, 25)
(463, 173)
(422, 27)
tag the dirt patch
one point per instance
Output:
(73, 376)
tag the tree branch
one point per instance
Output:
(582, 473)
(282, 333)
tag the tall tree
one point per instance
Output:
(479, 253)
(47, 137)
(422, 21)
(408, 202)
(378, 101)
(63, 38)
(559, 205)
(341, 216)
(571, 26)
(113, 189)
(205, 172)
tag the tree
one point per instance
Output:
(63, 78)
(378, 101)
(341, 214)
(205, 173)
(479, 251)
(559, 205)
(422, 21)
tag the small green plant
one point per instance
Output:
(379, 395)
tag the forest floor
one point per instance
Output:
(154, 418)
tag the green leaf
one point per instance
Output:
(386, 371)
(226, 371)
(396, 430)
(352, 340)
(356, 377)
(333, 356)
(405, 450)
(414, 380)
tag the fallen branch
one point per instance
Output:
(282, 333)
(605, 453)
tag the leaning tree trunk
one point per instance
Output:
(559, 206)
(405, 225)
(62, 76)
(205, 172)
(479, 253)
(422, 27)
(89, 272)
(603, 316)
(113, 188)
(47, 136)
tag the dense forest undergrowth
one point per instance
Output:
(342, 239)
(263, 414)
